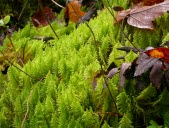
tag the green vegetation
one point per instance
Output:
(58, 87)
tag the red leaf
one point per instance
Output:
(148, 2)
(162, 53)
(39, 17)
(142, 16)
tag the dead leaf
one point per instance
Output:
(148, 2)
(110, 75)
(142, 16)
(167, 73)
(73, 11)
(39, 17)
(123, 69)
(161, 53)
(156, 60)
(143, 56)
(156, 74)
(112, 72)
(87, 16)
(144, 64)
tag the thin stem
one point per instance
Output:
(17, 67)
(17, 55)
(22, 10)
(27, 104)
(42, 8)
(95, 42)
(121, 28)
(114, 101)
(97, 51)
(57, 4)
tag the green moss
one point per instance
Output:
(65, 89)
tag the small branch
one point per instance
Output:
(92, 32)
(57, 4)
(16, 66)
(97, 52)
(27, 105)
(22, 10)
(114, 101)
(42, 8)
(120, 27)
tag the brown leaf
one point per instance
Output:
(73, 11)
(87, 16)
(40, 19)
(142, 16)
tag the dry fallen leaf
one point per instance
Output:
(40, 19)
(156, 74)
(73, 11)
(123, 69)
(142, 16)
(144, 65)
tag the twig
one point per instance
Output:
(120, 27)
(42, 8)
(17, 55)
(22, 10)
(17, 67)
(95, 42)
(97, 51)
(57, 4)
(27, 104)
(114, 101)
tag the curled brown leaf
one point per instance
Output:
(142, 16)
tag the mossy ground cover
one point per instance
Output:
(58, 86)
